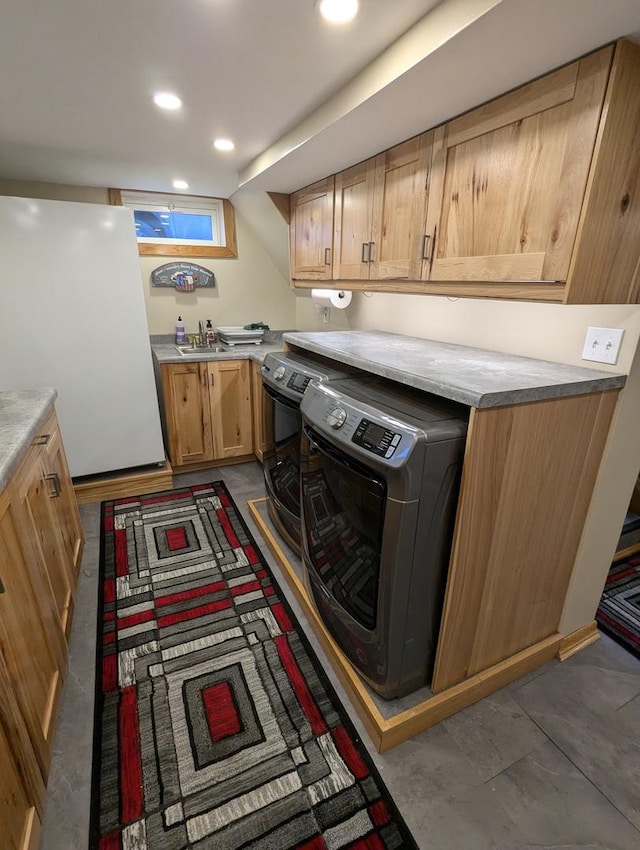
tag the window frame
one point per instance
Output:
(176, 249)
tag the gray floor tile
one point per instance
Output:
(554, 804)
(584, 723)
(495, 733)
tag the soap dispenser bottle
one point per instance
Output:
(210, 333)
(180, 332)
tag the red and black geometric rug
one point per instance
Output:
(216, 728)
(619, 611)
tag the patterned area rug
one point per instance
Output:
(619, 611)
(216, 728)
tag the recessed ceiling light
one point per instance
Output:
(338, 11)
(223, 145)
(180, 184)
(166, 100)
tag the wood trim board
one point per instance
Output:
(120, 486)
(575, 641)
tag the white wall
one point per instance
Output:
(551, 332)
(249, 288)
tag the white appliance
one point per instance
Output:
(72, 317)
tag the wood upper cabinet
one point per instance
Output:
(508, 179)
(534, 195)
(207, 410)
(230, 404)
(311, 231)
(380, 209)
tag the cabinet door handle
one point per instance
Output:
(1, 586)
(425, 247)
(212, 379)
(366, 250)
(327, 256)
(57, 490)
(42, 440)
(372, 245)
(433, 248)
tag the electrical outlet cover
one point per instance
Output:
(602, 345)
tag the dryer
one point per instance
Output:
(380, 470)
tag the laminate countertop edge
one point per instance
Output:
(476, 377)
(22, 412)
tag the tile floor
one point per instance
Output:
(550, 761)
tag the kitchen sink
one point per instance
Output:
(199, 350)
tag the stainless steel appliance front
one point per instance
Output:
(380, 469)
(285, 379)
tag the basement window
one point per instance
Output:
(180, 225)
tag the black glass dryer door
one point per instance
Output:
(281, 460)
(344, 506)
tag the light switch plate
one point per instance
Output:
(602, 345)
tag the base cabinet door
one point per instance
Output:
(508, 179)
(188, 412)
(64, 504)
(39, 494)
(230, 399)
(32, 640)
(18, 814)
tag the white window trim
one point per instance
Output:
(156, 202)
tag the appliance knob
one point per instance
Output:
(337, 417)
(279, 373)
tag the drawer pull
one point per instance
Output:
(55, 480)
(42, 440)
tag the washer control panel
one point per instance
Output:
(376, 438)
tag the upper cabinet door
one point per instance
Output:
(354, 190)
(311, 231)
(508, 179)
(400, 243)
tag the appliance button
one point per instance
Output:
(390, 451)
(279, 373)
(396, 440)
(337, 417)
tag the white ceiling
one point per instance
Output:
(300, 98)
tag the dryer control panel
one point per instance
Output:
(376, 438)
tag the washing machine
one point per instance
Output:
(286, 377)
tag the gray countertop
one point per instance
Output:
(166, 353)
(22, 412)
(472, 376)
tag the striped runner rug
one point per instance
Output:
(216, 727)
(619, 611)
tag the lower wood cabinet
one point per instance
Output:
(207, 410)
(40, 549)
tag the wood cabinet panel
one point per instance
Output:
(65, 506)
(230, 403)
(513, 184)
(353, 221)
(32, 620)
(527, 480)
(257, 408)
(311, 231)
(188, 412)
(400, 244)
(21, 785)
(605, 267)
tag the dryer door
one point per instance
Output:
(343, 505)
